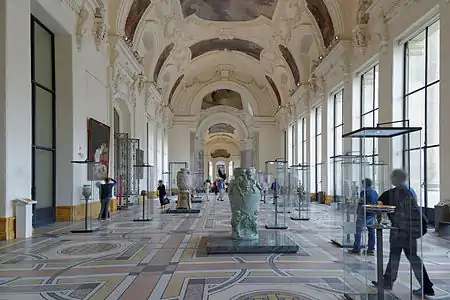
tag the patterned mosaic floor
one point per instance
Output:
(165, 259)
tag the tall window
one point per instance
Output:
(285, 142)
(338, 126)
(421, 108)
(369, 109)
(43, 123)
(301, 138)
(317, 146)
(294, 144)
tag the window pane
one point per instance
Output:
(433, 52)
(433, 115)
(43, 62)
(367, 120)
(415, 108)
(415, 62)
(318, 120)
(43, 121)
(415, 172)
(338, 108)
(319, 178)
(319, 149)
(43, 178)
(377, 84)
(433, 182)
(367, 91)
(338, 140)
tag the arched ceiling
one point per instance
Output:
(279, 38)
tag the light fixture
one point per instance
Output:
(321, 57)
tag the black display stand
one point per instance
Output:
(87, 228)
(143, 194)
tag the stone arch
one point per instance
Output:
(123, 110)
(222, 117)
(248, 98)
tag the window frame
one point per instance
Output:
(335, 137)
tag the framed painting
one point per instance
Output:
(98, 149)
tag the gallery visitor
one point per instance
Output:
(207, 188)
(221, 189)
(368, 195)
(106, 194)
(411, 225)
(162, 194)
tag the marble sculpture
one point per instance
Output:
(244, 194)
(184, 183)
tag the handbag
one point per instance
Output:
(166, 201)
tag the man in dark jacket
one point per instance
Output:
(409, 223)
(106, 194)
(162, 193)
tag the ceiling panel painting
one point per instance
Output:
(320, 12)
(220, 153)
(174, 88)
(134, 15)
(229, 10)
(223, 97)
(243, 46)
(221, 128)
(275, 89)
(161, 60)
(291, 63)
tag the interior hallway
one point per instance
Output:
(165, 259)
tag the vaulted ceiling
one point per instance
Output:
(274, 43)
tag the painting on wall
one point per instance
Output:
(247, 47)
(229, 10)
(134, 16)
(221, 128)
(223, 97)
(98, 149)
(320, 12)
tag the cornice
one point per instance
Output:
(125, 50)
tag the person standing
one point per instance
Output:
(365, 219)
(162, 193)
(207, 188)
(410, 225)
(106, 194)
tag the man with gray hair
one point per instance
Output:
(410, 225)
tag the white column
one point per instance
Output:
(325, 152)
(444, 120)
(15, 103)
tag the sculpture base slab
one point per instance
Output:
(299, 219)
(182, 211)
(85, 230)
(143, 219)
(276, 226)
(197, 200)
(268, 242)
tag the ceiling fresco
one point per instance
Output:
(223, 97)
(320, 12)
(134, 15)
(275, 89)
(174, 88)
(220, 153)
(221, 128)
(161, 60)
(229, 10)
(291, 63)
(243, 46)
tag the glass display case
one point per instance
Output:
(300, 176)
(386, 217)
(279, 190)
(264, 180)
(174, 167)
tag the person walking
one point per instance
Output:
(410, 225)
(162, 193)
(106, 194)
(365, 219)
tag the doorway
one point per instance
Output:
(43, 123)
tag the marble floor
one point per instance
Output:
(166, 259)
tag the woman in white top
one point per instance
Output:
(207, 188)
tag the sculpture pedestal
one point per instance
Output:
(184, 200)
(267, 242)
(182, 211)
